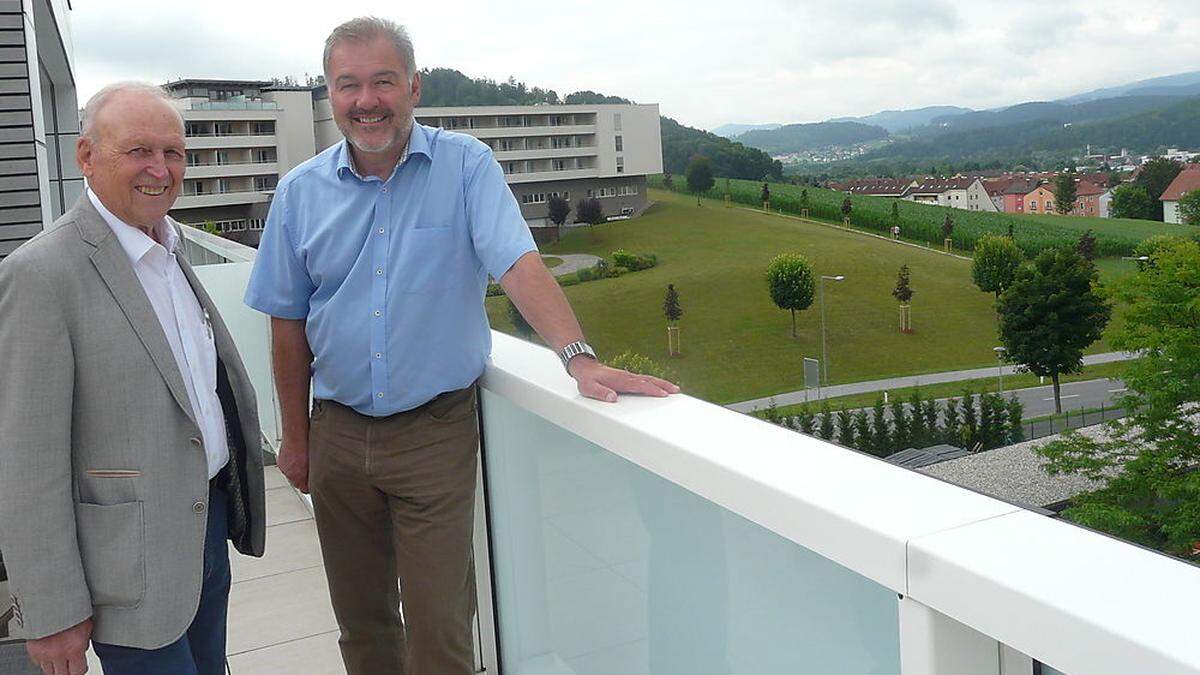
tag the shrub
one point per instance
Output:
(568, 280)
(586, 274)
(636, 363)
(494, 290)
(632, 262)
(617, 271)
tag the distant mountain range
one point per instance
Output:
(1183, 84)
(1140, 116)
(902, 120)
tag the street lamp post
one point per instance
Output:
(999, 368)
(821, 301)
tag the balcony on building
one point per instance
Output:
(676, 536)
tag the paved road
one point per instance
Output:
(572, 262)
(833, 391)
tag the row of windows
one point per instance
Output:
(240, 225)
(614, 191)
(541, 197)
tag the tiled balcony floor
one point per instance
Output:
(280, 620)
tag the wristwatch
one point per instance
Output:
(577, 348)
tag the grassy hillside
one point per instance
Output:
(921, 222)
(736, 344)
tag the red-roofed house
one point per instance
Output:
(1187, 181)
(1014, 193)
(1087, 199)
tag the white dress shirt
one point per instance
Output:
(185, 323)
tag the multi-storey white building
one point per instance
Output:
(39, 119)
(243, 135)
(572, 151)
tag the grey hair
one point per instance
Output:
(100, 99)
(366, 28)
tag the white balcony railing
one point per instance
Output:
(675, 536)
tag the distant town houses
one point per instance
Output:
(1031, 192)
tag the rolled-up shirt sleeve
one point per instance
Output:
(279, 285)
(499, 233)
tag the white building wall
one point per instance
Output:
(978, 198)
(294, 141)
(1171, 213)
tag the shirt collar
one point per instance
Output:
(418, 143)
(133, 240)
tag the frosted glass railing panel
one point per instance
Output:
(1047, 670)
(226, 285)
(602, 567)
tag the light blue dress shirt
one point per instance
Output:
(391, 274)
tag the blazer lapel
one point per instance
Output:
(114, 268)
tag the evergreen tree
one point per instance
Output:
(900, 428)
(1086, 246)
(862, 431)
(806, 421)
(968, 430)
(951, 426)
(1065, 192)
(825, 430)
(845, 428)
(881, 433)
(931, 410)
(1015, 411)
(916, 421)
(903, 291)
(671, 308)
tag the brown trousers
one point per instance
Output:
(394, 499)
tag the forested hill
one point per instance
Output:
(448, 87)
(814, 136)
(730, 159)
(1177, 125)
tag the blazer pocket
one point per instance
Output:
(112, 543)
(114, 473)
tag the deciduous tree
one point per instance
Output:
(791, 282)
(557, 208)
(699, 176)
(1131, 201)
(1050, 314)
(1147, 463)
(1065, 192)
(995, 263)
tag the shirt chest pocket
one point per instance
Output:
(436, 259)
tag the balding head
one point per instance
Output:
(131, 150)
(143, 91)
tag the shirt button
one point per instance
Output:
(379, 272)
(378, 313)
(380, 394)
(378, 355)
(384, 189)
(198, 507)
(381, 230)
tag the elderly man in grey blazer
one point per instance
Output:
(129, 439)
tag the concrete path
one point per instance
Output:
(833, 391)
(572, 262)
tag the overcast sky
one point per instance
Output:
(705, 63)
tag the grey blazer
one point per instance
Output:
(103, 478)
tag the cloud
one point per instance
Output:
(704, 62)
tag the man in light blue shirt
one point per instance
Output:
(373, 267)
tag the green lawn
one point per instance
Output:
(736, 344)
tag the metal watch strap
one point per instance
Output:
(577, 348)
